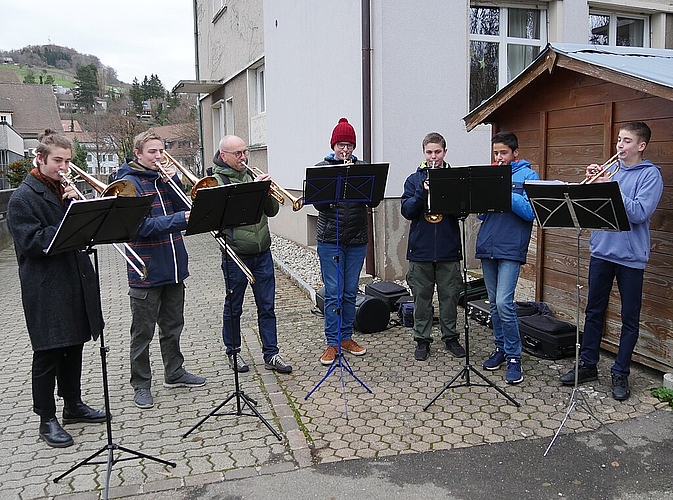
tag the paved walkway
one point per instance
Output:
(340, 421)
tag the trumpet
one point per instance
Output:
(117, 188)
(278, 192)
(605, 169)
(432, 218)
(196, 185)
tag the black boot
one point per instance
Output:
(422, 351)
(53, 434)
(79, 412)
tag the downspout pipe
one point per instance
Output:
(199, 117)
(370, 264)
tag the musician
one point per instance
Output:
(434, 254)
(502, 245)
(341, 235)
(253, 245)
(59, 293)
(158, 299)
(622, 255)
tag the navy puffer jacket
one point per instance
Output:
(352, 216)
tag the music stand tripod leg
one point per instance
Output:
(238, 394)
(572, 402)
(467, 368)
(110, 446)
(339, 360)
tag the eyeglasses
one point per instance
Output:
(237, 154)
(345, 145)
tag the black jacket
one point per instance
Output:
(60, 295)
(352, 216)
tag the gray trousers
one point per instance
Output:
(162, 306)
(421, 278)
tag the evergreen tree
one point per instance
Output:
(79, 153)
(137, 98)
(86, 87)
(29, 78)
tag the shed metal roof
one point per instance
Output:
(647, 70)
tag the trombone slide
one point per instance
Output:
(196, 182)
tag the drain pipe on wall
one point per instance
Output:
(199, 118)
(370, 264)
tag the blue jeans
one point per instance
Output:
(501, 276)
(630, 283)
(340, 267)
(264, 291)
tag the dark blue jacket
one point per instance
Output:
(159, 240)
(428, 242)
(506, 235)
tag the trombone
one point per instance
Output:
(120, 187)
(278, 192)
(196, 185)
(605, 169)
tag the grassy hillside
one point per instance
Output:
(61, 77)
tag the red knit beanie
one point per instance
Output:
(343, 132)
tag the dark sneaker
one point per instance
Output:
(422, 351)
(187, 380)
(329, 355)
(514, 371)
(454, 347)
(585, 373)
(353, 347)
(143, 398)
(54, 435)
(82, 413)
(495, 360)
(240, 363)
(620, 387)
(277, 363)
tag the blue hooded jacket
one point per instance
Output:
(506, 235)
(641, 186)
(159, 240)
(428, 242)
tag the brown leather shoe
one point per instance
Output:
(328, 356)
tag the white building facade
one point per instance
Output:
(280, 74)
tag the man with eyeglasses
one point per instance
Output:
(253, 245)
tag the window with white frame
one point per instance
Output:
(260, 91)
(607, 28)
(218, 121)
(229, 116)
(503, 41)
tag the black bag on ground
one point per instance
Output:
(476, 290)
(371, 313)
(388, 291)
(547, 337)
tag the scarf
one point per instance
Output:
(54, 186)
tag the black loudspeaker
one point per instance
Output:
(371, 313)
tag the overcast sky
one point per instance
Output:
(135, 37)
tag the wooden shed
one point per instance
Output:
(566, 108)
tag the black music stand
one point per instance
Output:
(88, 223)
(596, 206)
(362, 182)
(461, 191)
(216, 209)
